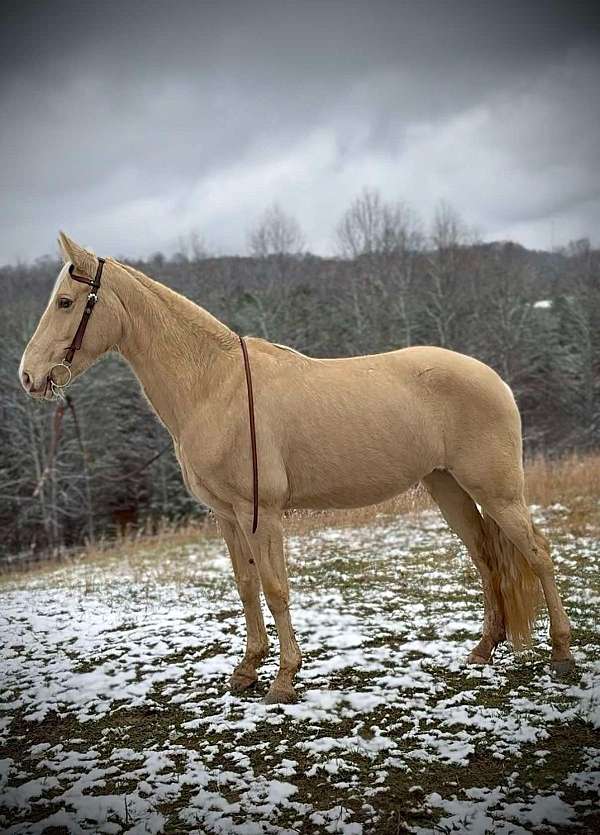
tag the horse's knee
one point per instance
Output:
(276, 596)
(248, 589)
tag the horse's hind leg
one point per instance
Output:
(515, 521)
(496, 482)
(461, 514)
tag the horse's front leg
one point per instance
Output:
(248, 584)
(268, 552)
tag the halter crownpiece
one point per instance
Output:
(75, 345)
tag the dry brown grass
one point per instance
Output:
(572, 481)
(567, 480)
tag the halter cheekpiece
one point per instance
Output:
(75, 345)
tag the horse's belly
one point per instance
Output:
(361, 480)
(345, 497)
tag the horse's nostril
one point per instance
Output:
(26, 380)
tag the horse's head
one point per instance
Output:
(43, 359)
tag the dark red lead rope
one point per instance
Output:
(252, 432)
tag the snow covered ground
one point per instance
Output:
(115, 715)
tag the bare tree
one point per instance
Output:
(384, 238)
(194, 247)
(276, 234)
(373, 226)
(451, 258)
(276, 242)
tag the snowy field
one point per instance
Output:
(115, 714)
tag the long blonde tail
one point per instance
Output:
(515, 585)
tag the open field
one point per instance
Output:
(116, 715)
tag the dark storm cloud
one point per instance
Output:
(131, 123)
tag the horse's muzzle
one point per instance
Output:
(38, 392)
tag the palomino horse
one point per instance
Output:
(331, 433)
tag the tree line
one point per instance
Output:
(532, 315)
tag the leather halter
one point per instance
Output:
(79, 333)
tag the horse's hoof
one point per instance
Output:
(280, 696)
(564, 666)
(477, 660)
(239, 682)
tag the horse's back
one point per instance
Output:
(438, 376)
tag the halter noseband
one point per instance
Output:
(79, 333)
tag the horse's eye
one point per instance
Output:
(64, 302)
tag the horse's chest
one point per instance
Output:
(200, 485)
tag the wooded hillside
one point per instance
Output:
(533, 316)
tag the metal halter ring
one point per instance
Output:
(57, 388)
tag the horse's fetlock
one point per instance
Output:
(261, 653)
(561, 634)
(291, 664)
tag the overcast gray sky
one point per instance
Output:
(130, 124)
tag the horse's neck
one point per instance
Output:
(178, 351)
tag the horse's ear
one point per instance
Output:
(84, 261)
